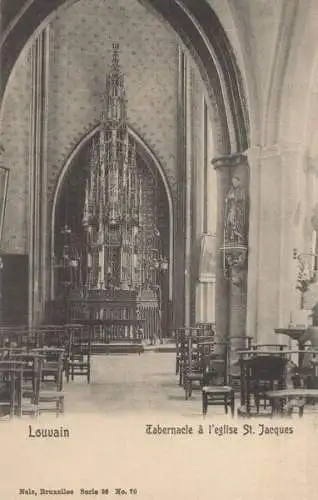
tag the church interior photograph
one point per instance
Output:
(159, 207)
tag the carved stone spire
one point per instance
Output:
(115, 101)
(112, 191)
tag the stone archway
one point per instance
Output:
(202, 34)
(197, 26)
(145, 152)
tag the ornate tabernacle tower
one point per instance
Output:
(111, 258)
(112, 197)
(111, 216)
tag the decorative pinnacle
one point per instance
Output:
(116, 56)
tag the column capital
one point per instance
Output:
(275, 150)
(228, 161)
(283, 155)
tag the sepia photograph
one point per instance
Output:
(158, 249)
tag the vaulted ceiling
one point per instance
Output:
(195, 22)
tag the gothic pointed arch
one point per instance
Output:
(149, 159)
(196, 24)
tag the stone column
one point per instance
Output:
(188, 280)
(276, 175)
(4, 173)
(222, 305)
(253, 155)
(231, 245)
(38, 267)
(183, 299)
(311, 172)
(292, 175)
(206, 280)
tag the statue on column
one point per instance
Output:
(235, 230)
(234, 217)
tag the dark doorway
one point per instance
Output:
(14, 288)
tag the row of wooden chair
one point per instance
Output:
(219, 369)
(182, 336)
(10, 388)
(196, 355)
(267, 369)
(31, 381)
(33, 363)
(202, 363)
(75, 339)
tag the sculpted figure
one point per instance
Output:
(235, 208)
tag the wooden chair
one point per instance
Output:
(32, 377)
(11, 374)
(79, 356)
(286, 400)
(51, 336)
(305, 374)
(37, 380)
(236, 343)
(217, 388)
(191, 365)
(10, 335)
(188, 353)
(199, 352)
(182, 353)
(28, 338)
(53, 366)
(50, 395)
(262, 373)
(179, 334)
(205, 329)
(312, 380)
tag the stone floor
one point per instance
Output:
(131, 383)
(135, 384)
(117, 451)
